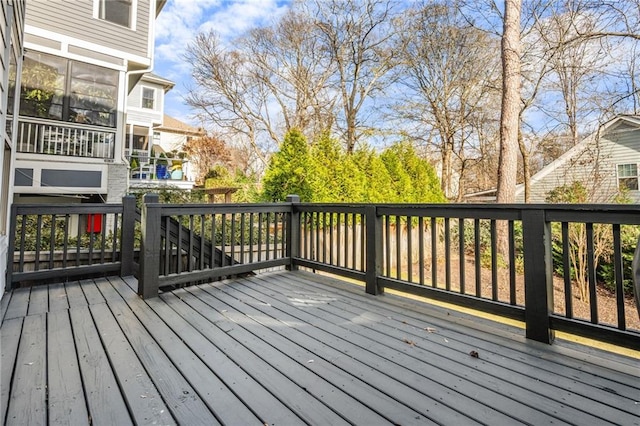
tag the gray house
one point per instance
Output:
(81, 61)
(605, 162)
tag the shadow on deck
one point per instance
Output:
(288, 348)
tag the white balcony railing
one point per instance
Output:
(38, 136)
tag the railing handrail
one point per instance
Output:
(69, 124)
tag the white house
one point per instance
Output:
(81, 60)
(145, 110)
(605, 162)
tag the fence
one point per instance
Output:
(496, 259)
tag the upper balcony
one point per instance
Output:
(40, 136)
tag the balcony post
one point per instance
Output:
(150, 251)
(373, 232)
(293, 233)
(128, 230)
(538, 279)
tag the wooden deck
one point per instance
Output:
(288, 348)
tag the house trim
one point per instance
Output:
(66, 41)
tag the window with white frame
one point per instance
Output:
(116, 11)
(148, 97)
(628, 177)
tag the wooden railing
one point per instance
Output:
(495, 259)
(39, 136)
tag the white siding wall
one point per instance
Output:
(595, 165)
(75, 19)
(145, 116)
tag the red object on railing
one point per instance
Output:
(94, 222)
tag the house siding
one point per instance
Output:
(595, 165)
(138, 115)
(55, 16)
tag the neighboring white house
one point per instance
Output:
(173, 134)
(12, 38)
(604, 162)
(82, 58)
(145, 110)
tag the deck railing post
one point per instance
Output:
(373, 232)
(150, 253)
(10, 252)
(293, 233)
(538, 279)
(128, 230)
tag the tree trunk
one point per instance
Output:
(526, 168)
(509, 116)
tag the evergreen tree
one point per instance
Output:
(289, 170)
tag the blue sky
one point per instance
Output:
(181, 20)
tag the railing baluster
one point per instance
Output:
(223, 231)
(512, 263)
(242, 236)
(447, 253)
(421, 248)
(398, 249)
(339, 244)
(619, 278)
(52, 241)
(179, 245)
(330, 238)
(212, 263)
(462, 254)
(103, 235)
(494, 261)
(201, 257)
(233, 238)
(591, 272)
(65, 243)
(409, 250)
(191, 243)
(477, 257)
(566, 272)
(434, 253)
(38, 241)
(167, 245)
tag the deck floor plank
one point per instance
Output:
(91, 292)
(105, 403)
(260, 358)
(19, 303)
(227, 406)
(430, 379)
(75, 295)
(9, 339)
(404, 404)
(179, 396)
(57, 298)
(140, 394)
(4, 304)
(317, 377)
(27, 402)
(288, 348)
(66, 396)
(502, 357)
(38, 300)
(511, 382)
(256, 388)
(530, 356)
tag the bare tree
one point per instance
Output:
(448, 71)
(357, 36)
(226, 91)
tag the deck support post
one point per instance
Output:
(10, 252)
(150, 253)
(373, 230)
(128, 229)
(293, 233)
(538, 278)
